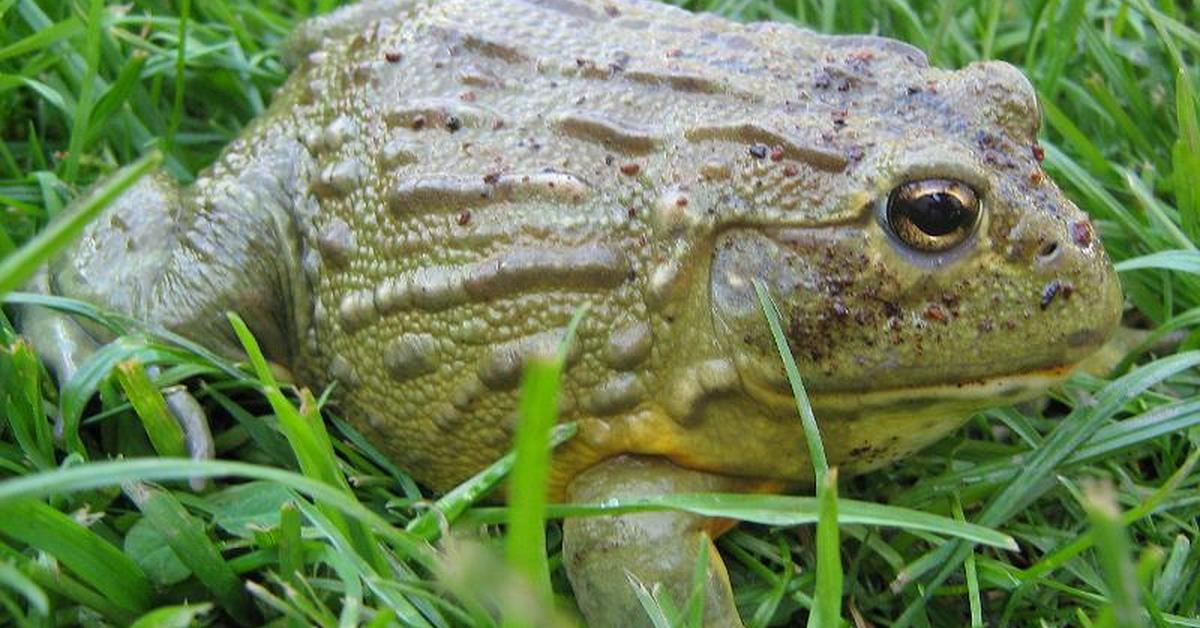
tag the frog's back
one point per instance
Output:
(487, 168)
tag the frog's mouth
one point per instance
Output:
(950, 397)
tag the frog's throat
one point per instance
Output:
(964, 395)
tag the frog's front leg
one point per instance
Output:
(660, 549)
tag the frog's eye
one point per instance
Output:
(932, 215)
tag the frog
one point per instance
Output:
(439, 187)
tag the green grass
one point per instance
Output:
(304, 523)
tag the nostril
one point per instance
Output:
(1049, 252)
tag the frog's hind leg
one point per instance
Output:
(64, 346)
(659, 549)
(180, 259)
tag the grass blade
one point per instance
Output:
(812, 434)
(1182, 261)
(773, 510)
(187, 539)
(163, 430)
(92, 559)
(827, 598)
(538, 412)
(1112, 548)
(12, 579)
(22, 403)
(526, 539)
(172, 616)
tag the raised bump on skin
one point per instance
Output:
(339, 179)
(509, 274)
(583, 268)
(494, 49)
(431, 288)
(447, 192)
(343, 372)
(336, 134)
(337, 243)
(410, 356)
(678, 81)
(357, 309)
(501, 366)
(453, 192)
(399, 152)
(755, 133)
(426, 113)
(567, 7)
(562, 187)
(608, 131)
(629, 346)
(616, 395)
(688, 391)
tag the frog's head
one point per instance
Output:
(953, 268)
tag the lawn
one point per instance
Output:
(303, 521)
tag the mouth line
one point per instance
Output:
(1003, 388)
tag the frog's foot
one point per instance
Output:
(659, 549)
(1125, 344)
(194, 422)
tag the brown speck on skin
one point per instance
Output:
(1049, 292)
(497, 125)
(393, 56)
(491, 178)
(453, 123)
(611, 11)
(1036, 177)
(681, 201)
(1081, 232)
(935, 312)
(630, 169)
(790, 170)
(986, 325)
(777, 154)
(1039, 153)
(631, 212)
(418, 122)
(467, 96)
(464, 217)
(758, 151)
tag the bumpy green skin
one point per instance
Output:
(440, 186)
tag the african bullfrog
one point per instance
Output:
(440, 186)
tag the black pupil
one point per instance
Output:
(936, 213)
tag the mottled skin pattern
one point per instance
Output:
(439, 187)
